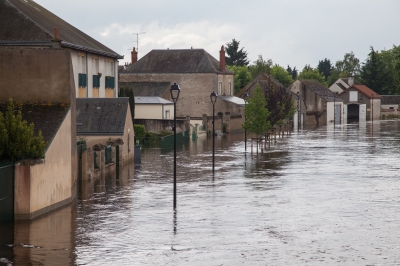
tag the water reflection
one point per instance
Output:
(323, 196)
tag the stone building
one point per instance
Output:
(95, 66)
(321, 105)
(362, 103)
(196, 72)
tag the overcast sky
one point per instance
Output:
(290, 32)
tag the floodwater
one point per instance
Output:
(329, 196)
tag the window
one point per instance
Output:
(220, 88)
(82, 71)
(167, 115)
(110, 80)
(353, 96)
(95, 65)
(229, 88)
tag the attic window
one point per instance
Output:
(98, 107)
(353, 96)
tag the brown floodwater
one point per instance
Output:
(327, 196)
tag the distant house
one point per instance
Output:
(321, 105)
(151, 99)
(390, 105)
(343, 84)
(99, 121)
(196, 72)
(361, 102)
(27, 24)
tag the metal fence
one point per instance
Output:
(168, 141)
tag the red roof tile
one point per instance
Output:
(364, 90)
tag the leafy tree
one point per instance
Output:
(242, 76)
(235, 56)
(126, 92)
(281, 75)
(310, 73)
(349, 66)
(374, 73)
(260, 66)
(325, 67)
(256, 114)
(17, 139)
(293, 72)
(140, 132)
(279, 102)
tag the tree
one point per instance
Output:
(256, 114)
(293, 72)
(281, 75)
(260, 66)
(17, 139)
(325, 67)
(279, 102)
(126, 92)
(242, 76)
(374, 75)
(310, 73)
(349, 66)
(235, 56)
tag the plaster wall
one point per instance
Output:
(44, 186)
(194, 98)
(153, 111)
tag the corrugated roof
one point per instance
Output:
(146, 88)
(26, 21)
(364, 90)
(233, 99)
(46, 117)
(390, 99)
(151, 100)
(177, 61)
(321, 90)
(101, 116)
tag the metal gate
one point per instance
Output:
(6, 191)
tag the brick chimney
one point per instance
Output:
(133, 56)
(222, 59)
(56, 41)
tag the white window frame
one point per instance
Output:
(353, 96)
(220, 88)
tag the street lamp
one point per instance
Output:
(372, 116)
(213, 97)
(245, 95)
(175, 90)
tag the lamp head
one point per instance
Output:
(175, 90)
(213, 97)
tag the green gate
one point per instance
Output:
(6, 191)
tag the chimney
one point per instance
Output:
(133, 56)
(222, 59)
(56, 41)
(351, 81)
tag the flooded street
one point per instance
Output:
(329, 196)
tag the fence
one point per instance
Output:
(6, 191)
(168, 141)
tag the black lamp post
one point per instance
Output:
(245, 95)
(372, 116)
(175, 90)
(213, 97)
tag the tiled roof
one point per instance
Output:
(151, 100)
(101, 116)
(26, 22)
(262, 79)
(46, 117)
(146, 88)
(390, 99)
(320, 90)
(177, 61)
(364, 90)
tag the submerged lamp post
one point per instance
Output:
(175, 90)
(213, 97)
(245, 95)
